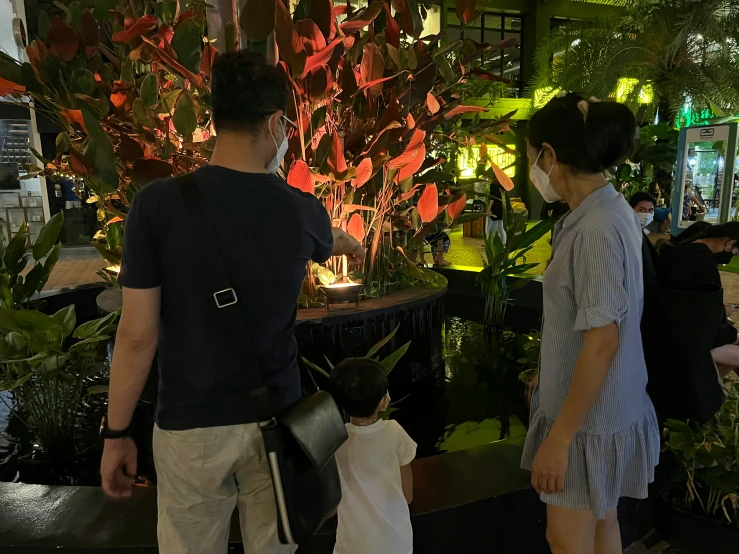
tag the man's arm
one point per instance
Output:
(346, 245)
(135, 345)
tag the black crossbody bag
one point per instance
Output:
(300, 443)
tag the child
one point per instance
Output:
(376, 480)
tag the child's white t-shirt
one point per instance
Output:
(373, 513)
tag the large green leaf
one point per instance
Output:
(376, 348)
(532, 235)
(86, 343)
(31, 82)
(167, 11)
(103, 7)
(48, 236)
(44, 24)
(83, 81)
(188, 43)
(389, 363)
(33, 281)
(315, 367)
(185, 117)
(101, 154)
(96, 326)
(15, 254)
(67, 319)
(25, 321)
(150, 90)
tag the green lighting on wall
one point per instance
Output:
(469, 158)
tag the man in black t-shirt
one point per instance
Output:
(208, 448)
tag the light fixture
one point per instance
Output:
(342, 291)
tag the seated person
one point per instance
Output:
(695, 255)
(662, 214)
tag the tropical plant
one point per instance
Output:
(19, 286)
(44, 362)
(44, 359)
(129, 84)
(654, 156)
(657, 53)
(374, 109)
(388, 364)
(708, 457)
(503, 260)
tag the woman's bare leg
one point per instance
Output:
(608, 534)
(571, 531)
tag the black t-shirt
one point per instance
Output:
(695, 262)
(268, 232)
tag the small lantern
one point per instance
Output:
(343, 290)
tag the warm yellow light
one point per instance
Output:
(646, 94)
(468, 159)
(625, 87)
(544, 95)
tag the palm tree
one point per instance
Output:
(672, 52)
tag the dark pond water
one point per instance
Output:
(468, 401)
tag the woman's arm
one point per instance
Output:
(598, 350)
(406, 478)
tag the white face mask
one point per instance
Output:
(645, 219)
(541, 182)
(281, 151)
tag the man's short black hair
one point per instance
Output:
(358, 386)
(642, 197)
(245, 91)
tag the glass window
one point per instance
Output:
(491, 28)
(492, 21)
(513, 24)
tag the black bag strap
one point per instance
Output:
(220, 290)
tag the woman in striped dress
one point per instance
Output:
(593, 435)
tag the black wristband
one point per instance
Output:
(108, 433)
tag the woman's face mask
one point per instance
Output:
(542, 183)
(281, 147)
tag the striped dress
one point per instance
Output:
(593, 280)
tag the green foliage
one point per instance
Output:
(41, 363)
(683, 49)
(654, 156)
(708, 456)
(502, 261)
(388, 363)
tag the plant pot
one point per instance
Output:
(694, 533)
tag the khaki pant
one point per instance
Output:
(202, 475)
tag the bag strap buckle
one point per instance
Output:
(225, 298)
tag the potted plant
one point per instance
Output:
(44, 359)
(700, 509)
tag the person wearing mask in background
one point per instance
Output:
(662, 214)
(695, 255)
(593, 435)
(643, 204)
(208, 448)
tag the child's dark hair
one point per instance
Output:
(246, 91)
(641, 197)
(586, 143)
(358, 385)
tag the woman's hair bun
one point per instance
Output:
(590, 137)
